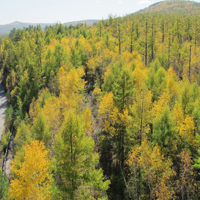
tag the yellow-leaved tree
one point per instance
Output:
(31, 178)
(156, 172)
(141, 110)
(71, 83)
(185, 127)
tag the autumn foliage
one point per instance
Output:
(31, 177)
(110, 111)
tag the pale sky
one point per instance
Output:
(53, 11)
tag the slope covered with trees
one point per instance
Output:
(114, 108)
(174, 7)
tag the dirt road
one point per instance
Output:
(3, 104)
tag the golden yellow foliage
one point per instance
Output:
(185, 126)
(156, 169)
(141, 110)
(105, 110)
(160, 104)
(51, 111)
(171, 83)
(32, 180)
(139, 77)
(91, 64)
(71, 83)
(97, 91)
(86, 118)
(111, 114)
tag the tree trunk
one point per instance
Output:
(72, 181)
(100, 29)
(163, 31)
(131, 50)
(152, 45)
(119, 37)
(146, 44)
(135, 180)
(169, 45)
(149, 185)
(190, 63)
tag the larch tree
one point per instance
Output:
(164, 132)
(187, 175)
(76, 161)
(141, 110)
(32, 178)
(156, 171)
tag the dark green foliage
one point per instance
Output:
(164, 130)
(41, 131)
(3, 186)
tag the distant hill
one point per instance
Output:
(89, 22)
(5, 29)
(174, 7)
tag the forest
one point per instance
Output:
(110, 111)
(183, 7)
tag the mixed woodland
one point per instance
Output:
(110, 111)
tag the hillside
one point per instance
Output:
(108, 111)
(89, 22)
(5, 29)
(119, 100)
(174, 7)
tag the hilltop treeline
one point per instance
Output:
(110, 111)
(181, 7)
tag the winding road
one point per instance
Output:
(3, 105)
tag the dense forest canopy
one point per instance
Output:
(110, 111)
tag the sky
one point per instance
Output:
(61, 11)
